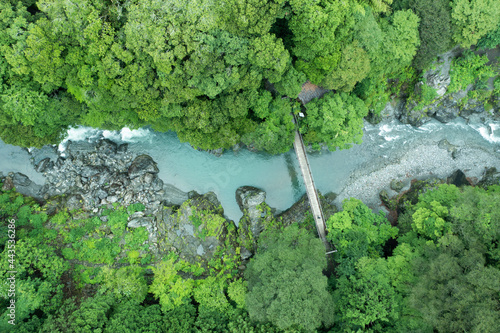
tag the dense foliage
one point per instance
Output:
(286, 285)
(438, 270)
(204, 69)
(335, 119)
(434, 29)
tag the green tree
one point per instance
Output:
(470, 68)
(126, 282)
(472, 19)
(490, 40)
(434, 29)
(253, 17)
(391, 43)
(335, 119)
(378, 5)
(368, 33)
(39, 270)
(367, 298)
(357, 232)
(180, 319)
(291, 82)
(353, 67)
(275, 134)
(90, 316)
(209, 293)
(285, 281)
(476, 220)
(319, 29)
(449, 283)
(130, 317)
(171, 289)
(455, 291)
(400, 41)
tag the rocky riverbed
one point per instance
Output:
(425, 161)
(90, 177)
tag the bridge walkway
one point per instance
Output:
(311, 191)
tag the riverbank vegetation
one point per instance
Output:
(436, 268)
(204, 69)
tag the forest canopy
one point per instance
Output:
(204, 69)
(437, 269)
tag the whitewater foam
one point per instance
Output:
(134, 135)
(79, 133)
(490, 132)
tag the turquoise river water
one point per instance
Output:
(279, 175)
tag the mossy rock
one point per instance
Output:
(196, 230)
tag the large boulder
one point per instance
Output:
(412, 194)
(414, 114)
(73, 202)
(7, 184)
(44, 158)
(172, 195)
(139, 222)
(458, 178)
(447, 109)
(196, 230)
(452, 149)
(396, 185)
(142, 164)
(25, 186)
(249, 197)
(216, 152)
(107, 147)
(496, 104)
(439, 77)
(472, 106)
(44, 165)
(491, 176)
(256, 216)
(74, 148)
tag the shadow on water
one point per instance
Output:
(294, 176)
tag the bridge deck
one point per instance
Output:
(312, 194)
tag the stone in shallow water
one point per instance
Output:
(249, 197)
(20, 179)
(7, 184)
(122, 148)
(46, 152)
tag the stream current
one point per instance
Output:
(384, 145)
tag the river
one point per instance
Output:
(389, 150)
